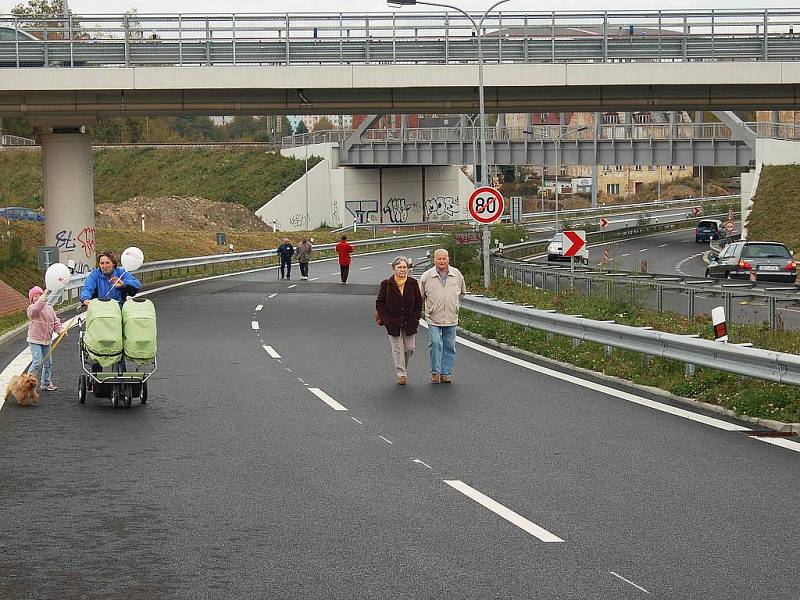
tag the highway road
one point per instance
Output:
(277, 458)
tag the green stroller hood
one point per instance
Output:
(102, 335)
(139, 329)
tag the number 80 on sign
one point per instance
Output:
(486, 204)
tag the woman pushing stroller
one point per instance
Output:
(109, 281)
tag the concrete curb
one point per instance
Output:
(634, 387)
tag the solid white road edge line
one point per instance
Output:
(326, 399)
(630, 582)
(506, 513)
(604, 389)
(271, 351)
(386, 440)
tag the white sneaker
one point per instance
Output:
(304, 277)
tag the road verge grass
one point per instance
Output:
(744, 396)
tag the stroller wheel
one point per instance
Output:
(82, 389)
(115, 394)
(143, 393)
(128, 396)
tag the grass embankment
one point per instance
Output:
(248, 176)
(20, 272)
(777, 197)
(747, 397)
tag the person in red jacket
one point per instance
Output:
(344, 250)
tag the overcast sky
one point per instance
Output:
(210, 6)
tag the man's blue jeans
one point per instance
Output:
(442, 344)
(38, 352)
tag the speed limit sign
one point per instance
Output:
(486, 205)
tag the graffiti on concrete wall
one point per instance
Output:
(65, 241)
(87, 241)
(364, 211)
(337, 220)
(397, 209)
(298, 221)
(441, 208)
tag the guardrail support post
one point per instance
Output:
(558, 282)
(690, 370)
(773, 313)
(576, 342)
(589, 287)
(690, 310)
(728, 305)
(660, 298)
(608, 350)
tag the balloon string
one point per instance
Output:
(112, 286)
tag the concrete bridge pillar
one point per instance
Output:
(69, 196)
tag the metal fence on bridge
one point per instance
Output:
(404, 37)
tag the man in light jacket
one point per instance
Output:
(304, 249)
(442, 287)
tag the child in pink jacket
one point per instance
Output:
(43, 322)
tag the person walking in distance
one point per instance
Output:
(344, 250)
(399, 308)
(304, 249)
(442, 287)
(286, 251)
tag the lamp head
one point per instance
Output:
(401, 2)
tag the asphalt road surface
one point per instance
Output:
(278, 458)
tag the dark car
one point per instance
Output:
(707, 230)
(769, 261)
(18, 213)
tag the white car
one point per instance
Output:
(555, 251)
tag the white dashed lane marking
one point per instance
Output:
(313, 278)
(271, 351)
(326, 399)
(271, 296)
(254, 325)
(259, 307)
(663, 245)
(364, 268)
(291, 286)
(629, 582)
(504, 512)
(385, 440)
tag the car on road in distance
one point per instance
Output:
(769, 261)
(709, 229)
(19, 213)
(555, 251)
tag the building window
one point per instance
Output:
(611, 118)
(651, 168)
(682, 167)
(543, 118)
(618, 167)
(642, 118)
(612, 189)
(637, 168)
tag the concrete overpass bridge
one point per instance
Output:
(62, 74)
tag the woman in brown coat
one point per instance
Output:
(399, 308)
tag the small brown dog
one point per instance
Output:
(23, 389)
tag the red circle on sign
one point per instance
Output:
(486, 204)
(729, 227)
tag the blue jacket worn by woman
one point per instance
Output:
(99, 286)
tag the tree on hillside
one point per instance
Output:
(48, 14)
(301, 128)
(244, 129)
(285, 128)
(323, 124)
(196, 129)
(14, 126)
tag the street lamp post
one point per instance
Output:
(484, 168)
(558, 161)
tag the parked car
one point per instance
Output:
(770, 261)
(555, 251)
(709, 229)
(18, 213)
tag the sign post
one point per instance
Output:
(576, 240)
(516, 209)
(485, 206)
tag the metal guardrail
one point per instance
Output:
(768, 365)
(242, 258)
(404, 37)
(616, 209)
(15, 140)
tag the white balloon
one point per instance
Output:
(56, 277)
(132, 258)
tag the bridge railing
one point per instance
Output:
(403, 37)
(547, 133)
(768, 365)
(15, 140)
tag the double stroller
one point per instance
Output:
(118, 350)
